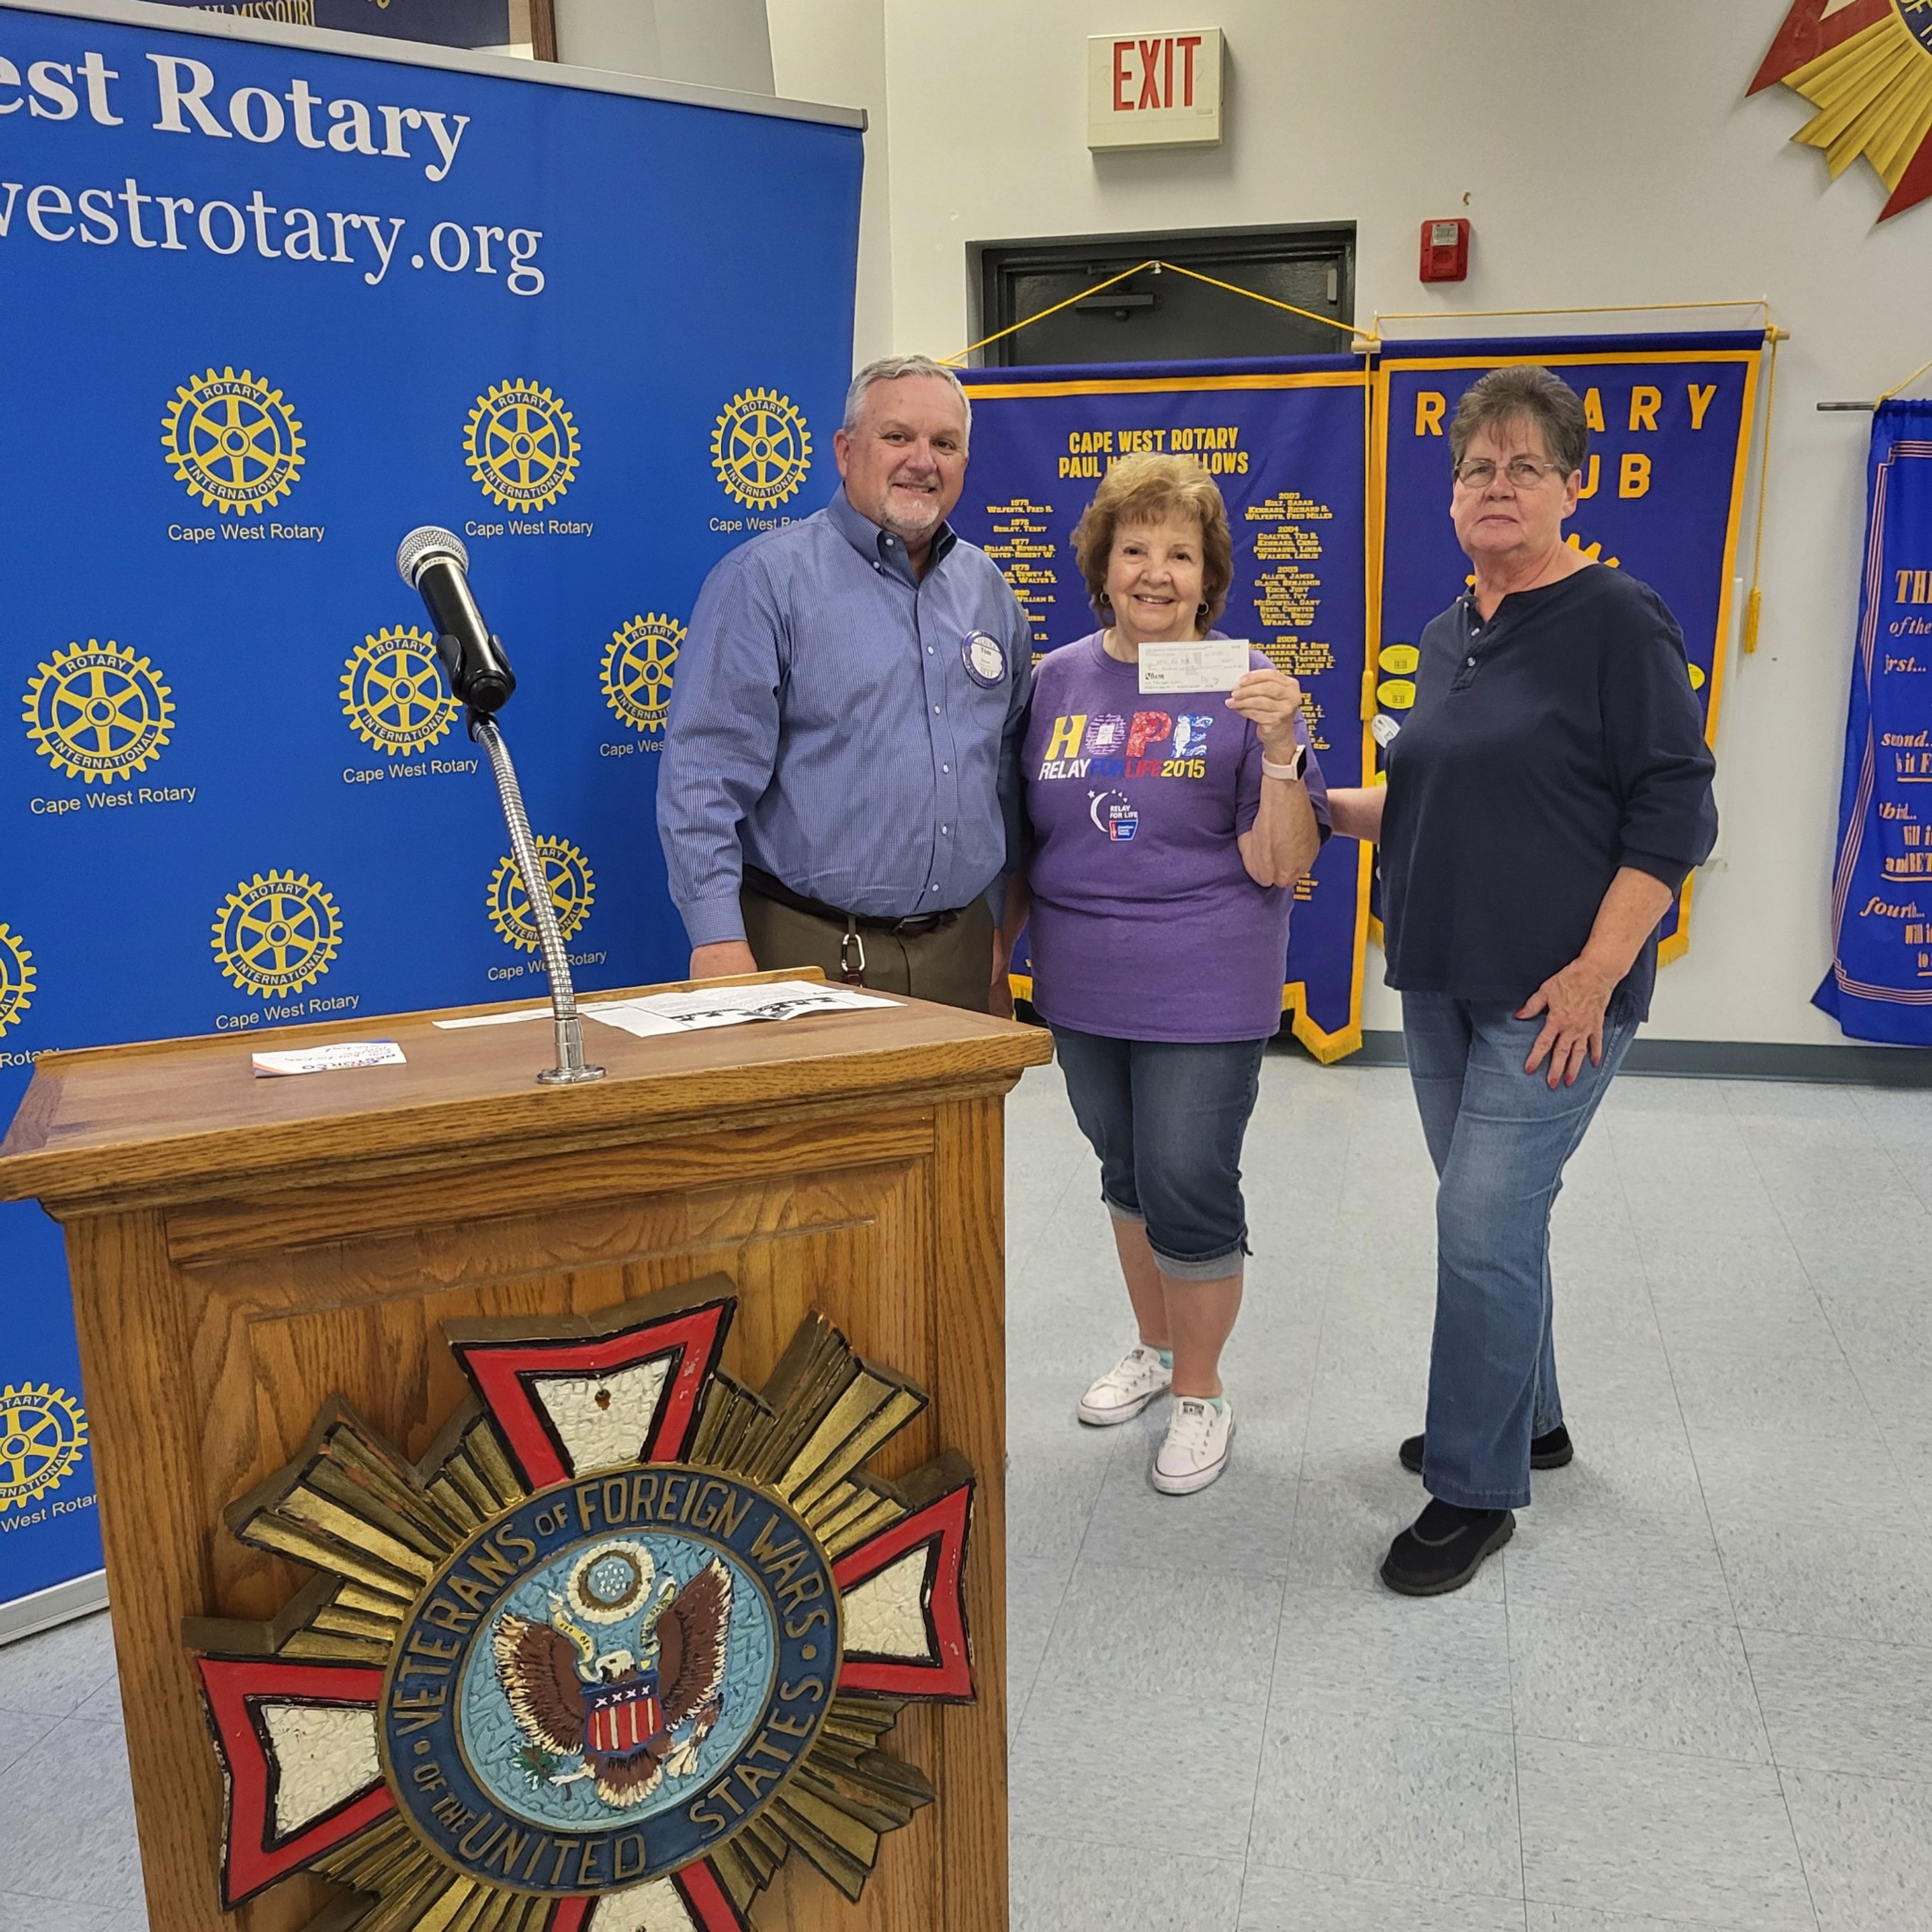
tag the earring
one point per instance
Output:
(1201, 610)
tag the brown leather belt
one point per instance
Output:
(913, 926)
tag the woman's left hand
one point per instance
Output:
(1272, 700)
(1573, 1003)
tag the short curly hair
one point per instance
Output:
(1146, 488)
(1523, 392)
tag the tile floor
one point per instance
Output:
(1695, 1692)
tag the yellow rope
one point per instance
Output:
(1907, 383)
(1754, 605)
(1327, 321)
(1171, 268)
(1606, 308)
(1000, 335)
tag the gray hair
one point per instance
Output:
(889, 369)
(1524, 392)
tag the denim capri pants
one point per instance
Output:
(1167, 1118)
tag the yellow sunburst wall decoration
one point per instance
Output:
(1866, 65)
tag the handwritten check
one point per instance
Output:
(1212, 664)
(329, 1059)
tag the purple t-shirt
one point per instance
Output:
(1145, 924)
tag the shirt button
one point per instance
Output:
(946, 768)
(932, 888)
(935, 711)
(1470, 661)
(928, 650)
(946, 829)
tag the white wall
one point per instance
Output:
(707, 43)
(834, 51)
(1608, 154)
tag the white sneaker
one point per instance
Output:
(1126, 1389)
(1198, 1437)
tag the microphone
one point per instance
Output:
(434, 564)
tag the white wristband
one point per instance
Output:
(1290, 772)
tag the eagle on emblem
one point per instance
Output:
(632, 1716)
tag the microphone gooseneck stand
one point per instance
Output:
(434, 562)
(570, 1065)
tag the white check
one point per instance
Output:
(1212, 664)
(336, 1059)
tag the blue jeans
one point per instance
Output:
(1499, 1137)
(1167, 1118)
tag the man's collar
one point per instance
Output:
(874, 545)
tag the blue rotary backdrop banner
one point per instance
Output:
(268, 304)
(1287, 441)
(1880, 985)
(1670, 419)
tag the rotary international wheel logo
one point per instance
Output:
(16, 977)
(393, 692)
(233, 441)
(638, 662)
(97, 711)
(630, 1636)
(43, 1431)
(522, 446)
(277, 933)
(572, 888)
(761, 449)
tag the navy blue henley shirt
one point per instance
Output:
(1547, 749)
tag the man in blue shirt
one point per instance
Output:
(840, 784)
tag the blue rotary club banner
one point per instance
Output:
(266, 307)
(1880, 985)
(1670, 421)
(1286, 440)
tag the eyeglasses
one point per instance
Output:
(1478, 473)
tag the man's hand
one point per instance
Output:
(722, 961)
(1573, 1003)
(1000, 995)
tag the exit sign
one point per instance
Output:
(1154, 90)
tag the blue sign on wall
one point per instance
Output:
(266, 309)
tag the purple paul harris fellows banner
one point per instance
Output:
(1286, 440)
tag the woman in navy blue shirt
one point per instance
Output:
(1548, 794)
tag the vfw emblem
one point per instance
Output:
(629, 1636)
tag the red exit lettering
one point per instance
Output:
(1144, 72)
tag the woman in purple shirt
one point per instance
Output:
(1167, 834)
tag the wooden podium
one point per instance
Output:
(241, 1249)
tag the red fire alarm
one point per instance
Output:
(1445, 251)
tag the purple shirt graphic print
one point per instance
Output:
(1145, 924)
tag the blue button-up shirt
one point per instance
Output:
(833, 723)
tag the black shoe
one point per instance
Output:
(1545, 1452)
(1444, 1548)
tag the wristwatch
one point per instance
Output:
(1292, 770)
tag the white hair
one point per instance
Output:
(889, 369)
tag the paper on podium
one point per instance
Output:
(656, 1013)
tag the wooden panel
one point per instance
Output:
(317, 1231)
(114, 1126)
(291, 1217)
(273, 1338)
(145, 1429)
(968, 1177)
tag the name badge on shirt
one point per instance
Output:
(984, 658)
